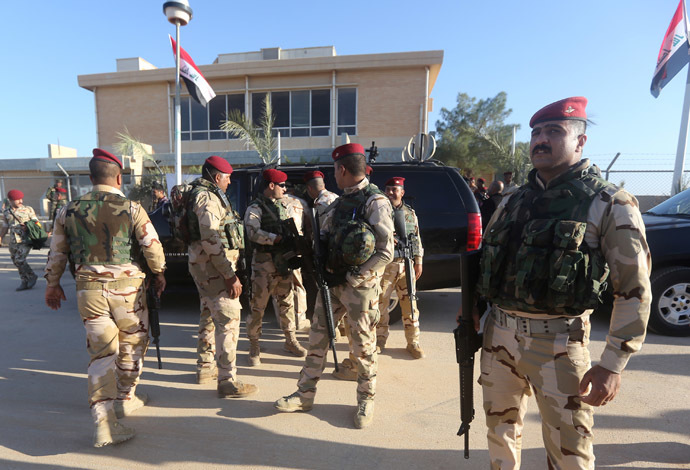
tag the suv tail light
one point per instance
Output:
(474, 230)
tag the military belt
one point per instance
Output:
(118, 284)
(530, 326)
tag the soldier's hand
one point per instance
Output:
(54, 295)
(234, 286)
(417, 271)
(159, 283)
(604, 386)
(476, 318)
(277, 240)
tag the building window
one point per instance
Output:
(299, 113)
(203, 123)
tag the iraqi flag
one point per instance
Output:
(197, 85)
(673, 54)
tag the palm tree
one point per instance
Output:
(262, 138)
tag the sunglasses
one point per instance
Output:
(282, 185)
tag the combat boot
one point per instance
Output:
(293, 347)
(236, 389)
(303, 323)
(206, 374)
(415, 350)
(345, 373)
(127, 406)
(254, 353)
(365, 413)
(31, 282)
(22, 286)
(380, 345)
(294, 402)
(110, 431)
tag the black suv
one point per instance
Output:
(448, 215)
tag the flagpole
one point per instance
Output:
(682, 141)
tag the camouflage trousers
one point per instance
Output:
(300, 293)
(19, 253)
(394, 279)
(219, 321)
(54, 208)
(116, 320)
(550, 366)
(266, 282)
(361, 304)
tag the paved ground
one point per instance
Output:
(45, 422)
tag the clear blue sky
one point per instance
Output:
(536, 51)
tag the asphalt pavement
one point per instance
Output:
(45, 421)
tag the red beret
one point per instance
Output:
(347, 150)
(368, 171)
(396, 181)
(219, 164)
(274, 176)
(61, 190)
(569, 108)
(310, 175)
(100, 154)
(15, 194)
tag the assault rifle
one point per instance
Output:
(405, 248)
(154, 304)
(467, 342)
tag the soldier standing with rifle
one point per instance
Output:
(546, 258)
(272, 263)
(402, 273)
(358, 230)
(103, 234)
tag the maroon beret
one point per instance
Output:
(347, 150)
(368, 171)
(396, 181)
(310, 175)
(568, 108)
(274, 176)
(61, 190)
(15, 194)
(219, 164)
(102, 155)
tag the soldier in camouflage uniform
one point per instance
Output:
(108, 238)
(316, 189)
(359, 231)
(216, 238)
(547, 252)
(272, 261)
(57, 197)
(15, 215)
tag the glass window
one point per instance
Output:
(236, 102)
(258, 108)
(216, 112)
(300, 109)
(184, 109)
(280, 102)
(321, 107)
(199, 117)
(347, 107)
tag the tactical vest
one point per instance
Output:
(347, 208)
(535, 258)
(100, 228)
(410, 231)
(230, 229)
(272, 215)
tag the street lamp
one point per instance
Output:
(178, 13)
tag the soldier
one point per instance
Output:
(158, 196)
(57, 195)
(216, 238)
(359, 231)
(274, 253)
(316, 189)
(108, 238)
(394, 277)
(14, 218)
(547, 253)
(510, 186)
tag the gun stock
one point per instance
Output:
(467, 343)
(154, 304)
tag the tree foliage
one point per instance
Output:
(474, 136)
(261, 139)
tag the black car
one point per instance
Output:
(448, 215)
(668, 236)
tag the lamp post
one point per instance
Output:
(178, 13)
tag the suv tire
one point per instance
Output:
(670, 311)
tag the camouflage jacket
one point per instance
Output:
(615, 227)
(53, 195)
(323, 202)
(15, 227)
(378, 213)
(412, 226)
(293, 207)
(144, 234)
(211, 216)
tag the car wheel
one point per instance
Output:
(670, 312)
(394, 311)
